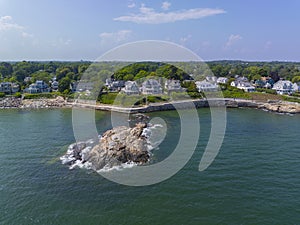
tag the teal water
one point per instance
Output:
(255, 178)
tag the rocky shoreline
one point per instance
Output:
(116, 147)
(12, 102)
(59, 102)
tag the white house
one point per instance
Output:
(296, 87)
(243, 85)
(9, 88)
(131, 88)
(151, 87)
(211, 79)
(283, 87)
(206, 86)
(114, 85)
(222, 80)
(38, 87)
(173, 86)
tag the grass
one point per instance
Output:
(42, 95)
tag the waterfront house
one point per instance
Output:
(203, 86)
(222, 80)
(284, 87)
(259, 83)
(131, 88)
(42, 86)
(243, 85)
(9, 87)
(173, 86)
(114, 85)
(151, 87)
(211, 79)
(54, 85)
(81, 86)
(38, 87)
(15, 88)
(296, 87)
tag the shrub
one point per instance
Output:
(40, 95)
(18, 95)
(2, 94)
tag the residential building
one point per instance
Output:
(222, 80)
(211, 79)
(131, 88)
(151, 87)
(5, 87)
(296, 87)
(114, 85)
(283, 87)
(81, 86)
(38, 87)
(54, 85)
(173, 86)
(9, 88)
(15, 88)
(204, 86)
(243, 85)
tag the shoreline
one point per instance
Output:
(59, 102)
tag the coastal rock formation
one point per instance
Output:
(10, 102)
(116, 146)
(43, 103)
(281, 107)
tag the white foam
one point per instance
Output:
(118, 168)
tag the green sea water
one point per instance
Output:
(255, 179)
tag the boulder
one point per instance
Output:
(116, 146)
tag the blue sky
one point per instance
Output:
(74, 30)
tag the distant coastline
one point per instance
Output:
(59, 102)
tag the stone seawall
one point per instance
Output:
(280, 107)
(275, 106)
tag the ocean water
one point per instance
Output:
(255, 179)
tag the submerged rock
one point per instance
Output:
(116, 146)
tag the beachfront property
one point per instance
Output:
(211, 79)
(243, 85)
(39, 86)
(173, 86)
(81, 86)
(114, 85)
(296, 87)
(9, 87)
(151, 87)
(204, 86)
(54, 85)
(131, 88)
(222, 80)
(284, 87)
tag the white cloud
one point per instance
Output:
(150, 16)
(6, 23)
(109, 39)
(131, 5)
(233, 38)
(166, 5)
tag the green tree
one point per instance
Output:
(64, 84)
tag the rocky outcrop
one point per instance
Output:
(116, 146)
(43, 103)
(281, 107)
(10, 102)
(13, 102)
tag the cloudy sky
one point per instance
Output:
(213, 29)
